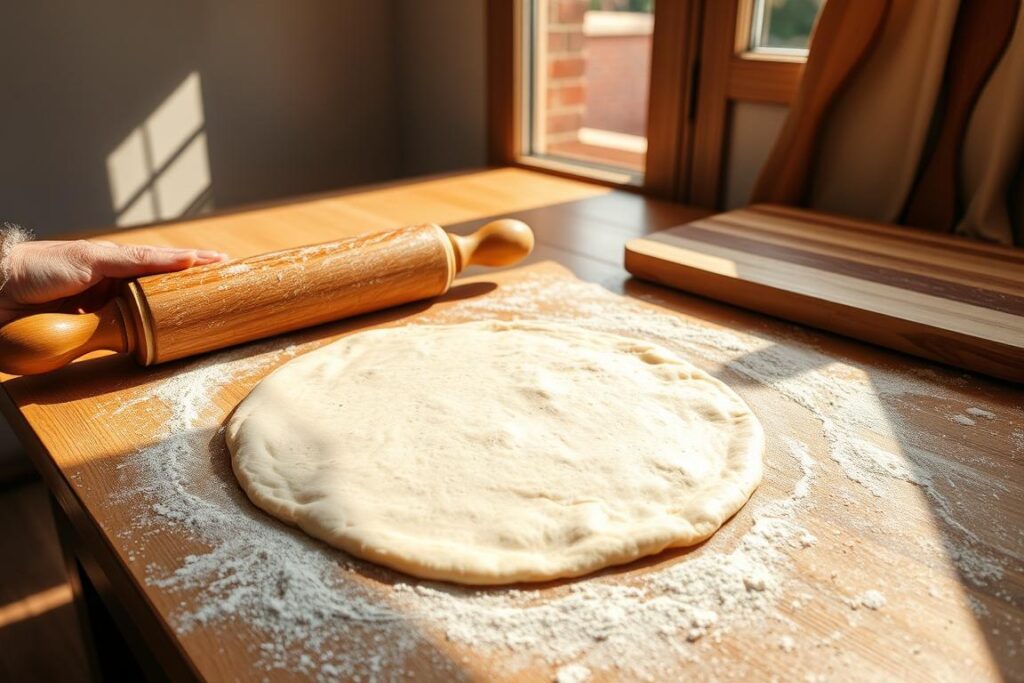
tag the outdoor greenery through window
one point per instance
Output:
(589, 65)
(783, 26)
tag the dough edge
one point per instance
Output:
(456, 563)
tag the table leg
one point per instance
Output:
(109, 654)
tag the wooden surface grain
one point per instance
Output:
(223, 304)
(85, 424)
(938, 297)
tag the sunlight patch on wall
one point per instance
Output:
(161, 170)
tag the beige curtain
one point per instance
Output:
(874, 135)
(876, 132)
(993, 152)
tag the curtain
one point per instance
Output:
(991, 169)
(879, 130)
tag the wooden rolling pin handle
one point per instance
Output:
(410, 264)
(499, 243)
(47, 341)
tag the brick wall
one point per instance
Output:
(594, 75)
(566, 62)
(616, 98)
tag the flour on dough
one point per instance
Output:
(493, 452)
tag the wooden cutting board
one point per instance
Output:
(934, 296)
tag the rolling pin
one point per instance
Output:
(159, 318)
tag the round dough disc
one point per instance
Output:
(493, 452)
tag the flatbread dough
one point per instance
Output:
(493, 452)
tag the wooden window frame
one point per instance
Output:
(731, 72)
(503, 80)
(673, 55)
(695, 78)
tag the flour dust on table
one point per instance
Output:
(496, 452)
(304, 610)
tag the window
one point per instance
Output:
(589, 65)
(783, 26)
(570, 85)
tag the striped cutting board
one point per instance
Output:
(935, 296)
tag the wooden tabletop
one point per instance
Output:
(889, 522)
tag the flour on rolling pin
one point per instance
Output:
(315, 616)
(164, 317)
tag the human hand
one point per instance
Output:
(81, 275)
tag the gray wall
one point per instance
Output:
(441, 76)
(293, 97)
(296, 97)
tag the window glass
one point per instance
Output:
(590, 63)
(783, 25)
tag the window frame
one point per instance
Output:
(701, 63)
(753, 34)
(534, 15)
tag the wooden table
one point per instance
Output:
(942, 543)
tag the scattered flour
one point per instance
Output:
(872, 599)
(235, 269)
(787, 644)
(976, 566)
(318, 612)
(977, 606)
(981, 412)
(806, 540)
(573, 673)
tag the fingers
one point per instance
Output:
(204, 256)
(44, 272)
(120, 261)
(132, 260)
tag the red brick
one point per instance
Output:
(560, 123)
(566, 95)
(568, 11)
(565, 40)
(566, 67)
(558, 41)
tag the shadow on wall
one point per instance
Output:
(162, 169)
(126, 111)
